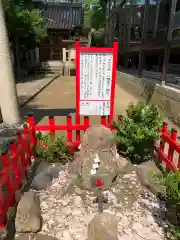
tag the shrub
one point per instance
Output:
(171, 182)
(137, 132)
(53, 150)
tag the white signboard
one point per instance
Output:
(95, 83)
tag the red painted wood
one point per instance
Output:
(51, 124)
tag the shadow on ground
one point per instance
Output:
(23, 100)
(39, 112)
(31, 77)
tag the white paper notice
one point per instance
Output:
(95, 83)
(95, 165)
(93, 171)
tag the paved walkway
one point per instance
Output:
(31, 86)
(58, 99)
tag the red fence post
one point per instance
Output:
(78, 137)
(51, 124)
(103, 120)
(21, 155)
(119, 117)
(171, 147)
(69, 132)
(31, 120)
(86, 123)
(3, 210)
(27, 147)
(9, 182)
(162, 142)
(14, 157)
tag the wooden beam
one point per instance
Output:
(168, 45)
(156, 18)
(143, 41)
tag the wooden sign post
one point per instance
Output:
(95, 81)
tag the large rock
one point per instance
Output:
(145, 173)
(98, 136)
(98, 142)
(28, 215)
(44, 175)
(103, 227)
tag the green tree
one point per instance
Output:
(88, 10)
(25, 25)
(98, 17)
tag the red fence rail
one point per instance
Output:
(16, 162)
(69, 127)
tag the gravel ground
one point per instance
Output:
(67, 218)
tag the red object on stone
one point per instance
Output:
(99, 183)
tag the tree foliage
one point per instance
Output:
(24, 22)
(94, 13)
(98, 17)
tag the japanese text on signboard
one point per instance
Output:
(95, 83)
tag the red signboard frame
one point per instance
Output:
(114, 51)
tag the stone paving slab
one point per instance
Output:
(59, 99)
(32, 85)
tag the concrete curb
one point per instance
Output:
(40, 90)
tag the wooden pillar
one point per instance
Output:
(168, 44)
(140, 65)
(143, 41)
(165, 63)
(159, 63)
(158, 2)
(126, 58)
(50, 46)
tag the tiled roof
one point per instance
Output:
(63, 15)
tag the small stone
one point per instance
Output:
(66, 235)
(118, 205)
(64, 203)
(137, 226)
(67, 211)
(76, 212)
(103, 227)
(78, 191)
(77, 201)
(125, 237)
(59, 235)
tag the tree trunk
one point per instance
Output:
(8, 94)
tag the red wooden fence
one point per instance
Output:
(69, 127)
(168, 150)
(16, 162)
